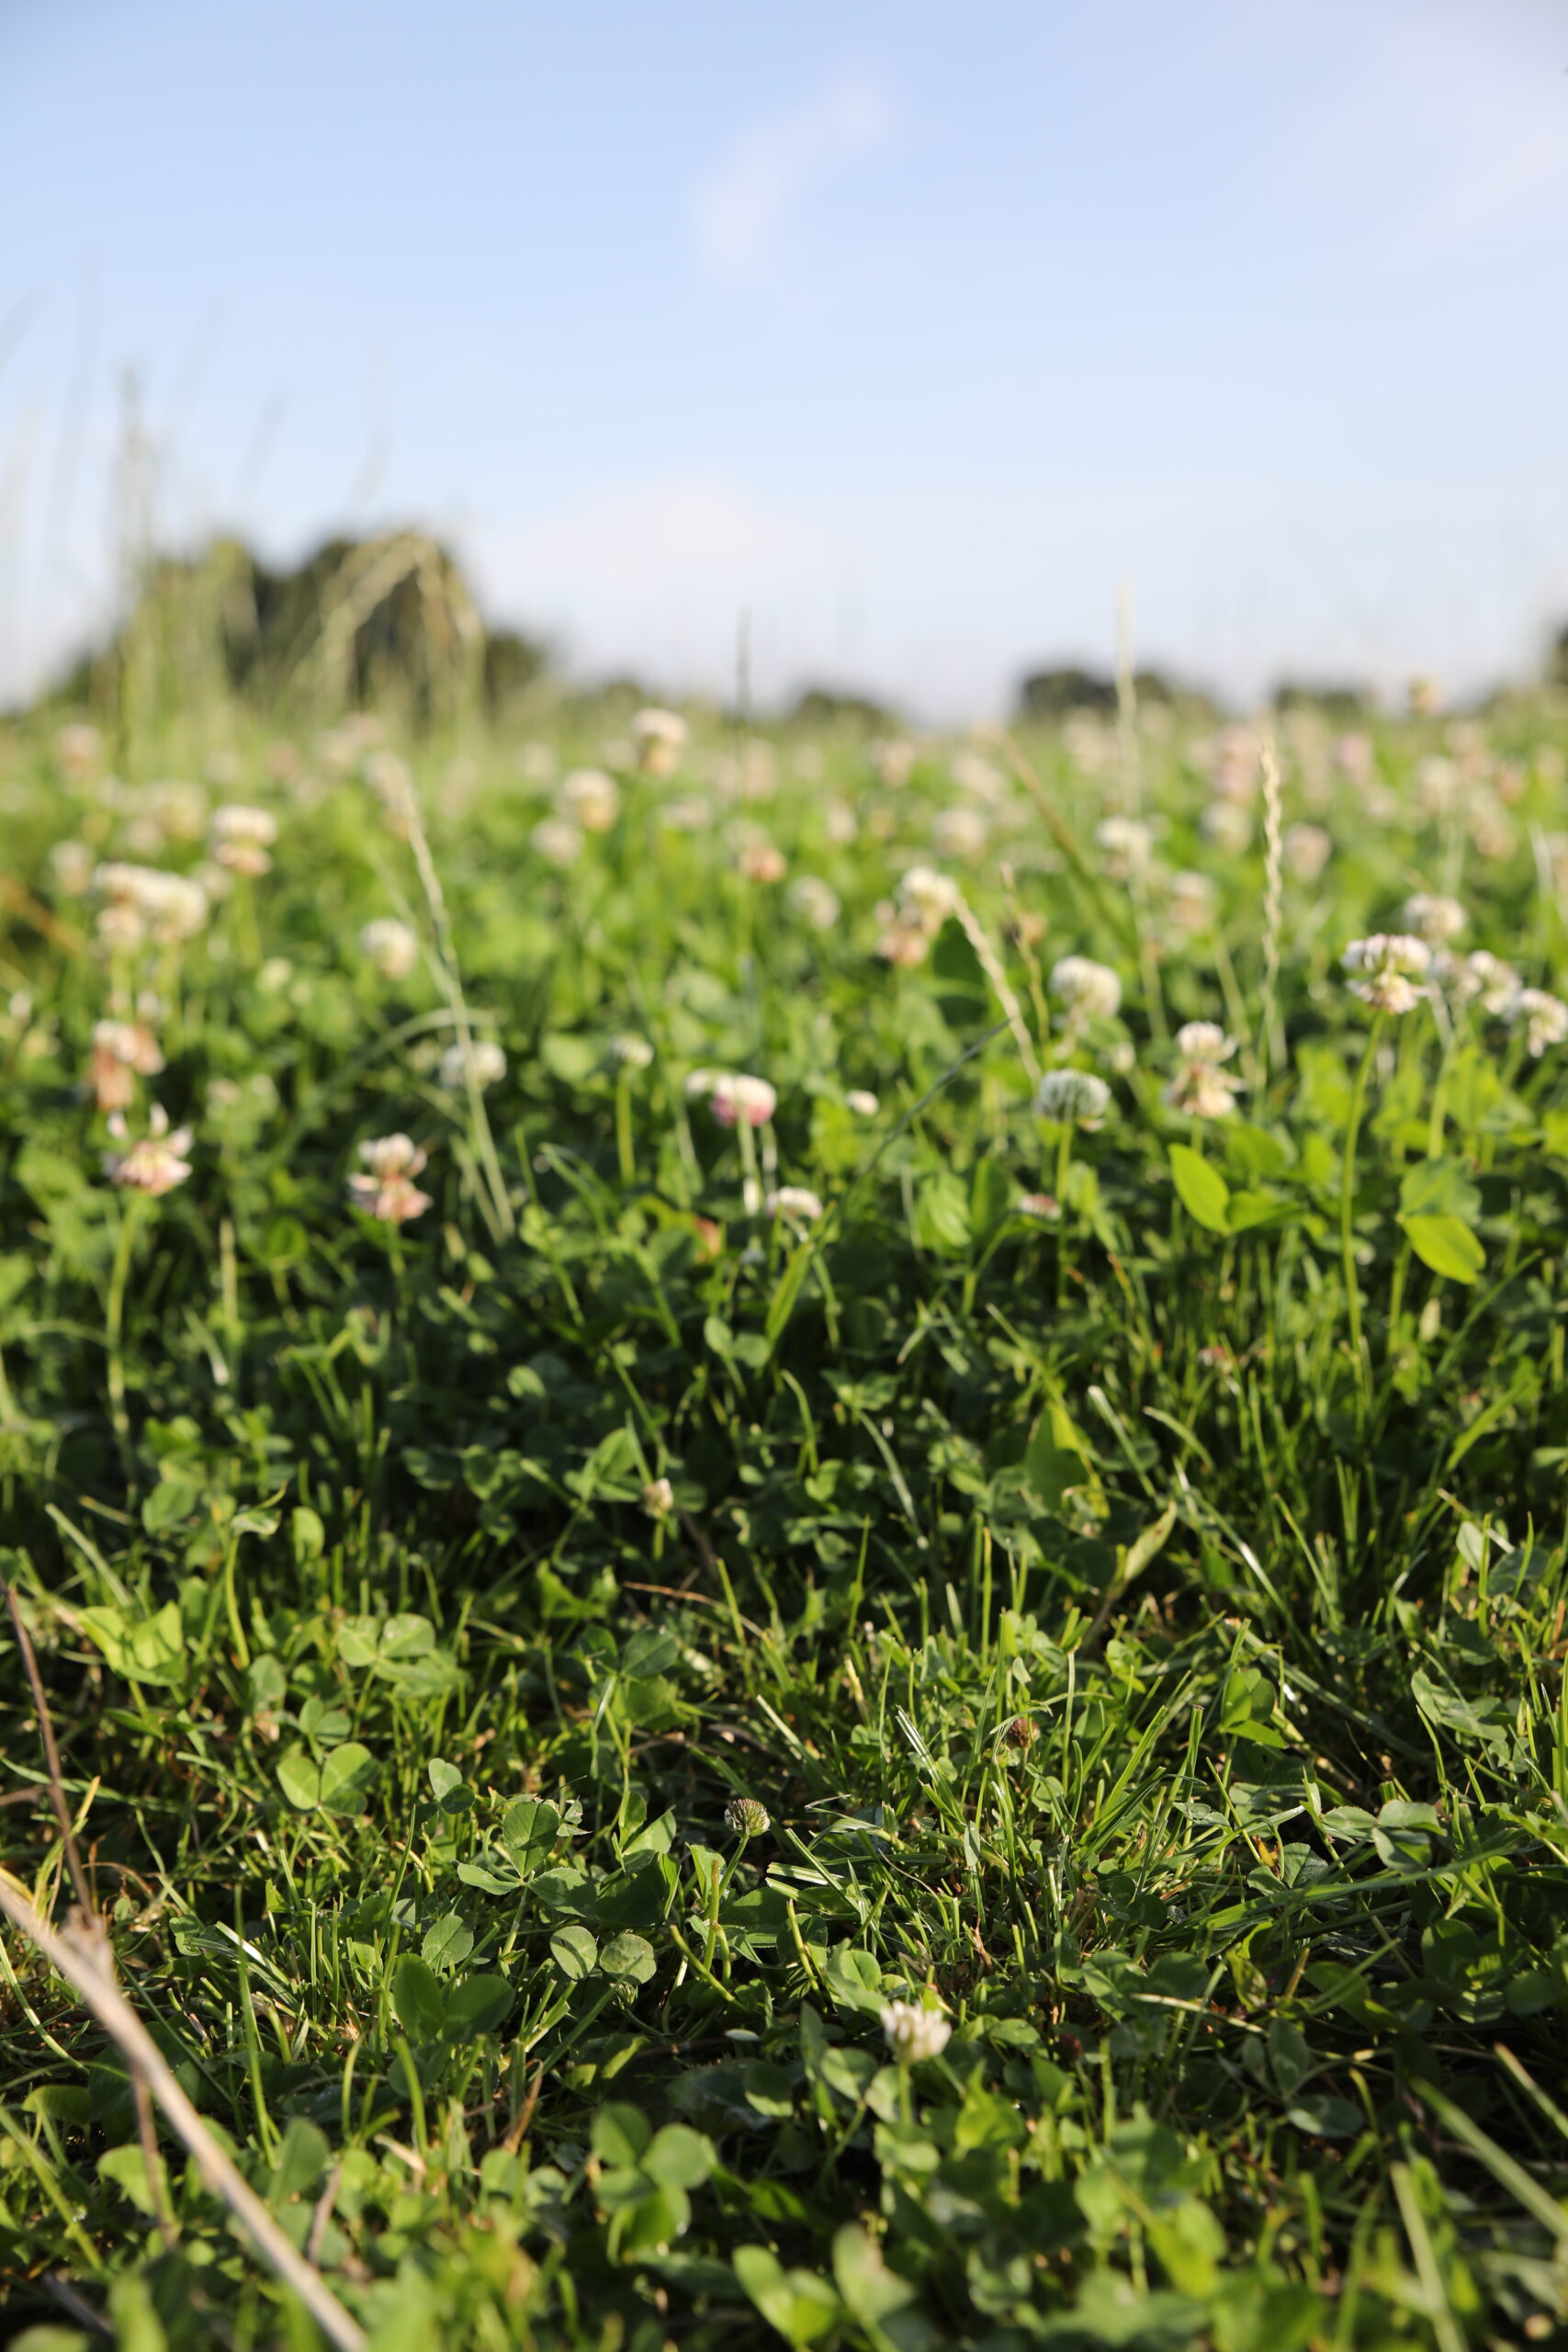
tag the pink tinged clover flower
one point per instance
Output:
(1200, 1089)
(1390, 966)
(389, 1192)
(155, 1162)
(794, 1204)
(1545, 1018)
(737, 1099)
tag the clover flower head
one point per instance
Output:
(630, 1051)
(1200, 1089)
(1073, 1097)
(1389, 964)
(926, 899)
(72, 863)
(1192, 898)
(557, 841)
(390, 945)
(760, 859)
(1436, 920)
(1307, 849)
(239, 837)
(1545, 1018)
(389, 1192)
(78, 750)
(959, 832)
(915, 2033)
(862, 1101)
(746, 1818)
(659, 1499)
(480, 1060)
(1486, 980)
(123, 1051)
(816, 901)
(734, 1098)
(155, 1162)
(1126, 845)
(659, 737)
(1088, 991)
(794, 1204)
(149, 902)
(591, 798)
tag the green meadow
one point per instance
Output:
(792, 1502)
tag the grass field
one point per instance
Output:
(915, 1702)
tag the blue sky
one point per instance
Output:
(911, 329)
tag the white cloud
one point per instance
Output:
(775, 167)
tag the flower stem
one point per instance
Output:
(1348, 1197)
(1064, 1160)
(114, 1323)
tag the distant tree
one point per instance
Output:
(1344, 703)
(1052, 694)
(834, 706)
(388, 619)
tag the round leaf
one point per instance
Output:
(1446, 1246)
(1202, 1190)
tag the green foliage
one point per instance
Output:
(1145, 1668)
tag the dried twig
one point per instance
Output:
(81, 1952)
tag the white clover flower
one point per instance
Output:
(1200, 1089)
(392, 946)
(744, 1817)
(795, 1203)
(691, 814)
(1088, 989)
(1545, 1017)
(72, 863)
(1436, 920)
(557, 843)
(816, 901)
(78, 752)
(631, 1052)
(734, 1098)
(1126, 844)
(862, 1101)
(926, 899)
(168, 907)
(972, 772)
(155, 1162)
(903, 945)
(123, 1051)
(700, 1084)
(659, 1499)
(1307, 849)
(1389, 964)
(915, 2033)
(591, 798)
(480, 1060)
(1073, 1098)
(1228, 825)
(389, 1192)
(959, 833)
(1484, 978)
(839, 823)
(178, 809)
(660, 737)
(892, 762)
(239, 837)
(1191, 899)
(761, 859)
